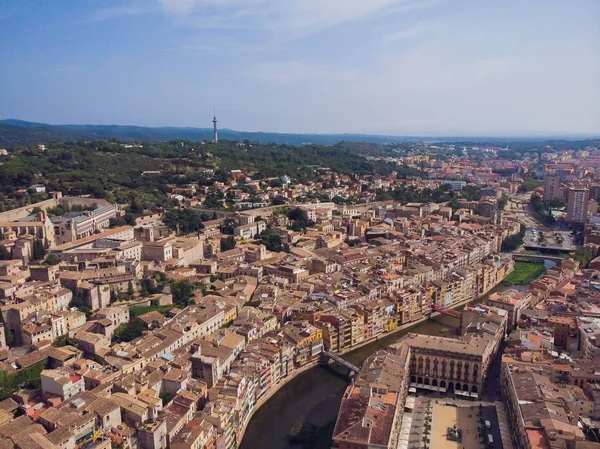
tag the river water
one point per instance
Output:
(315, 396)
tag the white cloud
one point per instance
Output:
(289, 16)
(178, 6)
(414, 30)
(183, 7)
(191, 47)
(295, 72)
(101, 15)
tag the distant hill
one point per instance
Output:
(19, 132)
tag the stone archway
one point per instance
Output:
(426, 381)
(413, 379)
(466, 388)
(434, 383)
(443, 384)
(450, 386)
(474, 389)
(420, 380)
(457, 387)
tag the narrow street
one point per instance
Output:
(491, 387)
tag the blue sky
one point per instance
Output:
(403, 67)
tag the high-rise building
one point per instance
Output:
(595, 191)
(551, 186)
(215, 136)
(577, 206)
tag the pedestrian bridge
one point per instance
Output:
(445, 311)
(326, 355)
(536, 257)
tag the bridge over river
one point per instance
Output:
(536, 257)
(315, 396)
(327, 355)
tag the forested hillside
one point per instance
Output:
(113, 170)
(18, 132)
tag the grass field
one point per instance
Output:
(140, 310)
(524, 273)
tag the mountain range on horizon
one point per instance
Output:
(15, 132)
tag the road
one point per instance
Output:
(557, 237)
(519, 206)
(489, 414)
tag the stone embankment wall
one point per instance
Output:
(22, 212)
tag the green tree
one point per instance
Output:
(502, 202)
(10, 337)
(38, 250)
(530, 183)
(272, 240)
(182, 291)
(145, 287)
(583, 256)
(300, 218)
(229, 224)
(52, 259)
(115, 222)
(5, 254)
(135, 207)
(471, 193)
(453, 203)
(113, 296)
(543, 210)
(61, 341)
(130, 331)
(514, 241)
(130, 290)
(29, 376)
(184, 221)
(558, 202)
(79, 303)
(353, 242)
(228, 243)
(166, 397)
(129, 219)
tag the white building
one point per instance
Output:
(61, 383)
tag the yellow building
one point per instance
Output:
(390, 324)
(230, 315)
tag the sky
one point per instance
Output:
(396, 67)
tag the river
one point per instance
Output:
(315, 396)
